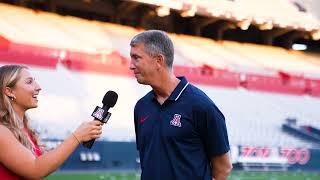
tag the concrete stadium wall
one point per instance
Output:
(123, 156)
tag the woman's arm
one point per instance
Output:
(21, 161)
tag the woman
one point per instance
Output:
(20, 155)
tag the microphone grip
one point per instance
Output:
(101, 115)
(89, 144)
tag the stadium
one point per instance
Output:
(259, 61)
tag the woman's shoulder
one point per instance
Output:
(6, 134)
(4, 129)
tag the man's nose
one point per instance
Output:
(132, 66)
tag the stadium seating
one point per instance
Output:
(88, 33)
(49, 30)
(83, 55)
(30, 55)
(256, 119)
(253, 118)
(70, 33)
(25, 26)
(273, 58)
(96, 46)
(4, 43)
(232, 59)
(312, 58)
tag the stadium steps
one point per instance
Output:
(89, 34)
(273, 58)
(218, 53)
(300, 132)
(25, 26)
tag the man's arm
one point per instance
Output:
(221, 166)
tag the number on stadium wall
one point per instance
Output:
(90, 156)
(254, 151)
(301, 156)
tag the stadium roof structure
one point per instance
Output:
(264, 14)
(271, 22)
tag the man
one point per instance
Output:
(180, 133)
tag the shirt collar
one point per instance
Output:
(177, 91)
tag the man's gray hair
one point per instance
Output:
(155, 42)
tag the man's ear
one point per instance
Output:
(9, 92)
(161, 61)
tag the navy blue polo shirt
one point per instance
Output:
(177, 139)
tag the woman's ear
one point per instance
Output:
(9, 92)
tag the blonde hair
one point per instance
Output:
(9, 75)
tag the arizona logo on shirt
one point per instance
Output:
(176, 120)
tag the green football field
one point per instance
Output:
(236, 175)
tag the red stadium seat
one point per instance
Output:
(4, 44)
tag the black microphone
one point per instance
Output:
(102, 114)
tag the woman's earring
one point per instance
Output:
(12, 98)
